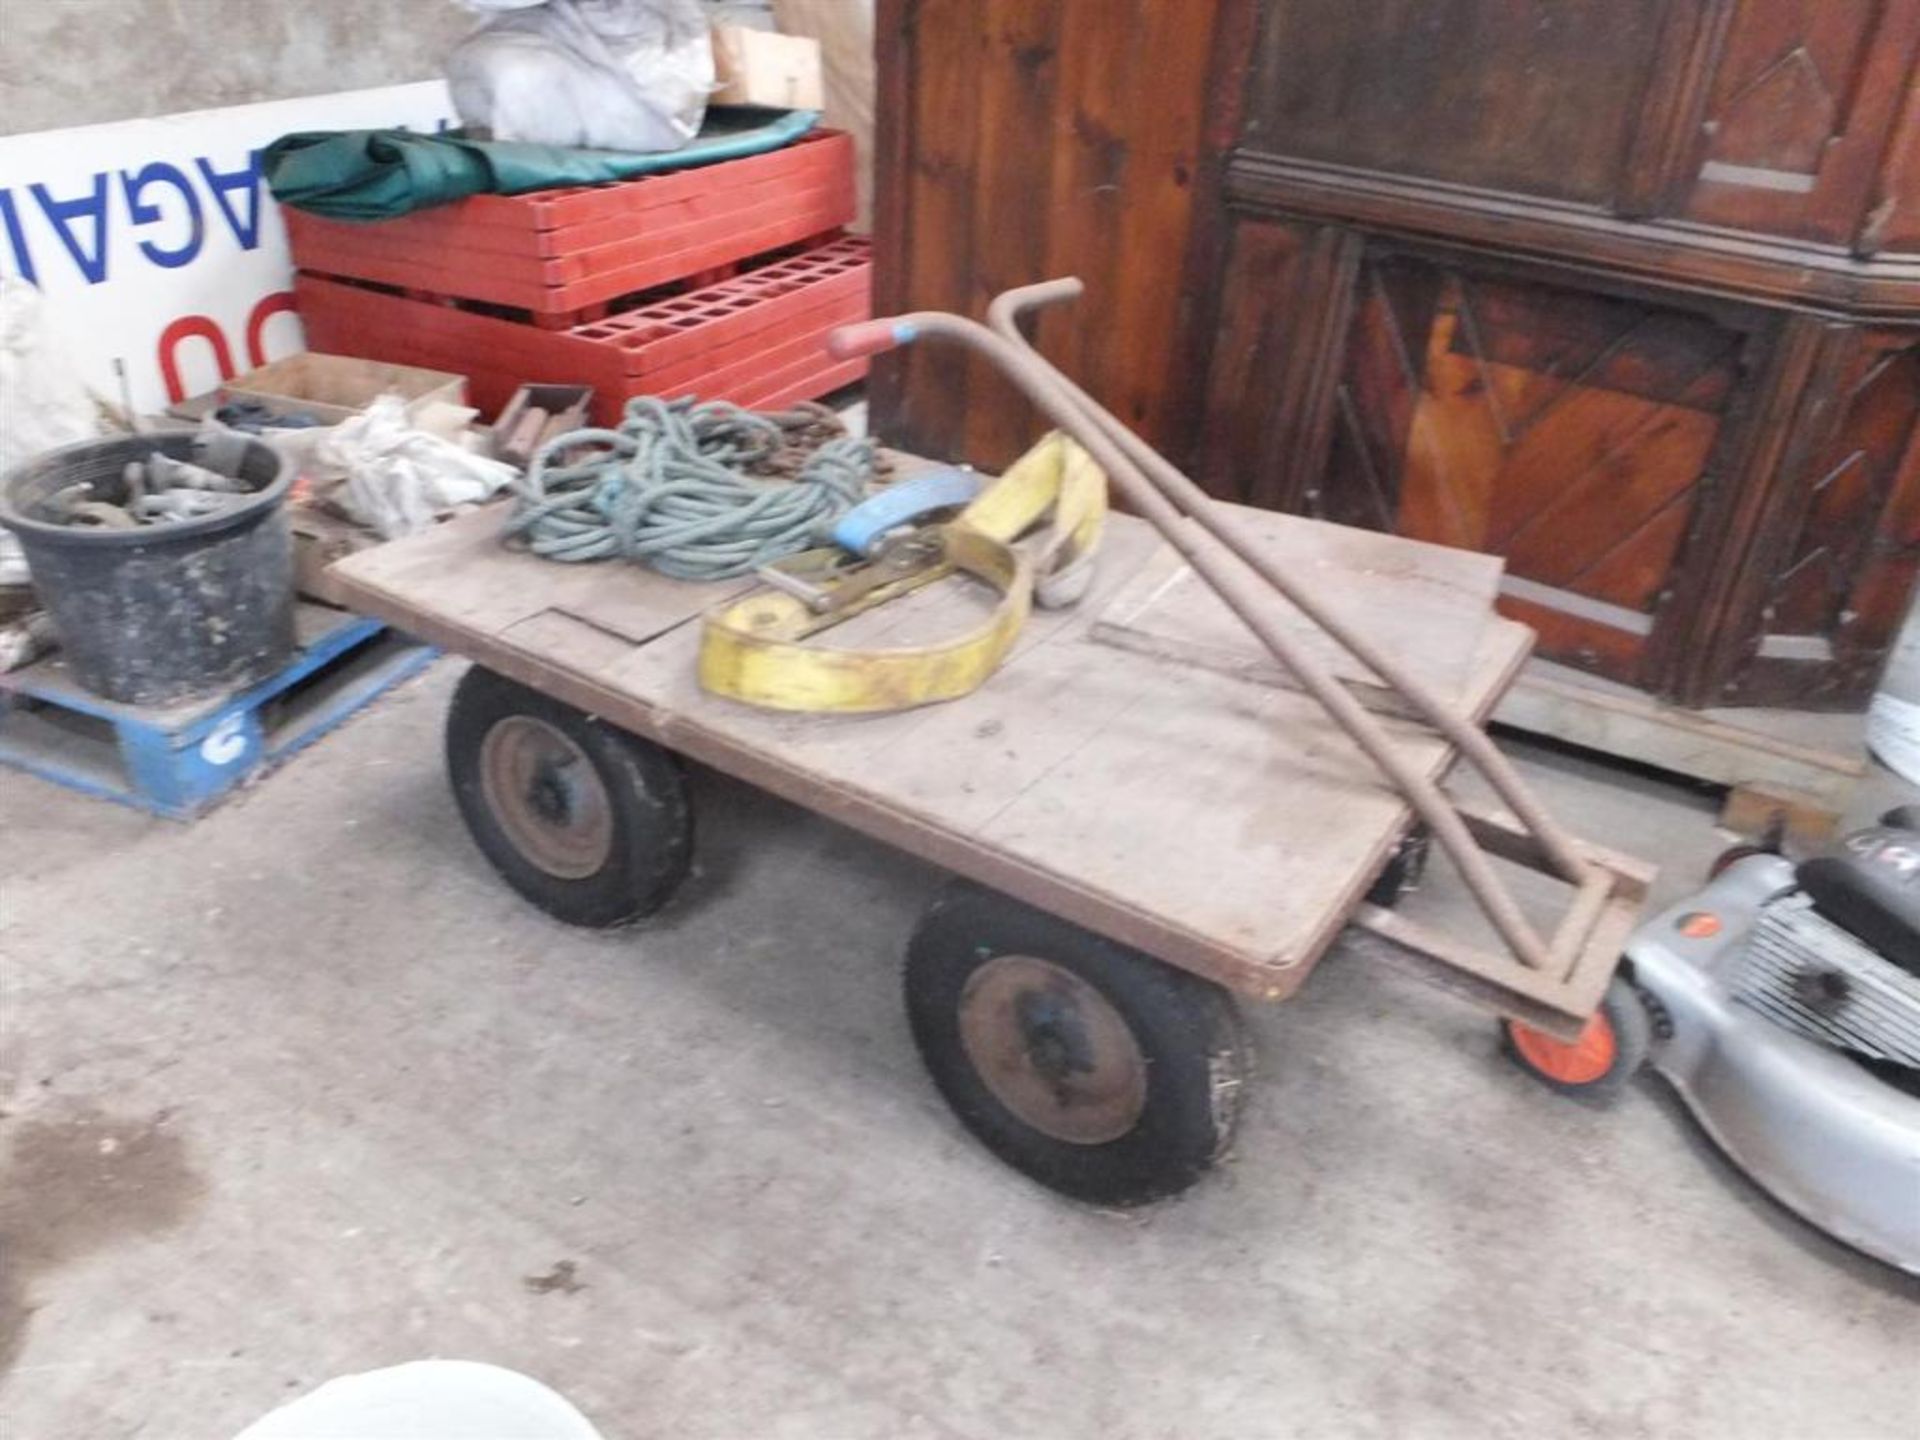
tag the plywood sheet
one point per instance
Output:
(1428, 606)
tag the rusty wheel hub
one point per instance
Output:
(1053, 1050)
(548, 797)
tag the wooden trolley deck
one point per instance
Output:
(1224, 826)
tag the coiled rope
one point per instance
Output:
(702, 491)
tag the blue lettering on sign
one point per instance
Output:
(16, 238)
(146, 212)
(60, 213)
(236, 194)
(246, 184)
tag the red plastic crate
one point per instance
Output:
(757, 339)
(563, 252)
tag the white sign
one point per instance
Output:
(157, 243)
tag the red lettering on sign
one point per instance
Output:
(278, 303)
(186, 327)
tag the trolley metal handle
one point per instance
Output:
(1189, 520)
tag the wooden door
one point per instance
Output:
(1818, 596)
(1020, 140)
(1573, 433)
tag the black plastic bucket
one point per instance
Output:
(162, 613)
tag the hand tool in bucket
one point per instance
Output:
(1552, 981)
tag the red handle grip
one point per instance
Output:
(869, 337)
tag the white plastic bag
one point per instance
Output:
(598, 74)
(399, 479)
(42, 401)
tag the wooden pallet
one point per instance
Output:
(1796, 763)
(758, 339)
(178, 760)
(562, 255)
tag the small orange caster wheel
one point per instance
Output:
(1605, 1057)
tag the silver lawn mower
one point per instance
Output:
(1782, 1002)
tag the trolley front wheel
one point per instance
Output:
(1096, 1070)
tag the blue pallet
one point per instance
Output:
(176, 761)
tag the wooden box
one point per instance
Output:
(332, 388)
(562, 407)
(763, 67)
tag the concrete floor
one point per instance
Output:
(303, 1090)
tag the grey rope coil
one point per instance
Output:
(697, 491)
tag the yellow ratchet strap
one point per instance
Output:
(762, 649)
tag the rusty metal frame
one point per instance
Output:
(1553, 977)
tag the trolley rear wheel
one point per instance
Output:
(590, 823)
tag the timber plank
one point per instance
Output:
(1432, 601)
(1820, 756)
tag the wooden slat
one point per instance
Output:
(1045, 137)
(1436, 600)
(1728, 747)
(1095, 107)
(1138, 308)
(934, 259)
(1235, 445)
(1017, 81)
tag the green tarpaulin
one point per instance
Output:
(378, 174)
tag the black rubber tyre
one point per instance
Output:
(1405, 867)
(590, 823)
(1599, 1065)
(1902, 817)
(1064, 1012)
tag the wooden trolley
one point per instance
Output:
(1138, 837)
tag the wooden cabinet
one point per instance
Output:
(1541, 98)
(1626, 291)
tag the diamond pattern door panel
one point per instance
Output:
(1847, 547)
(1805, 97)
(1566, 431)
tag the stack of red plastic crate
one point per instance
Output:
(721, 281)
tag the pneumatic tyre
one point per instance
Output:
(588, 822)
(1405, 868)
(1096, 1070)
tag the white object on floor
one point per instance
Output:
(26, 640)
(1893, 719)
(42, 401)
(854, 416)
(427, 1400)
(1893, 734)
